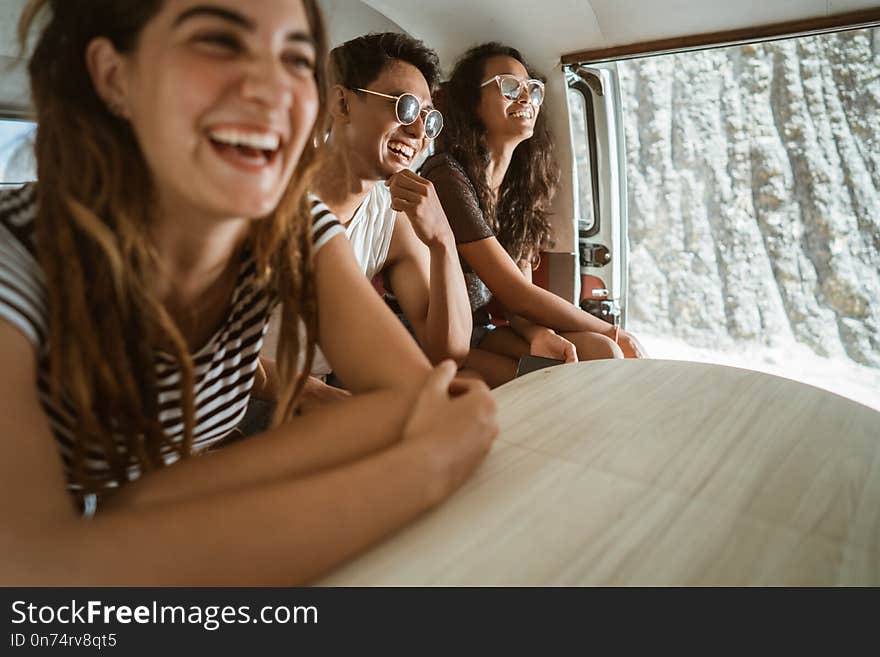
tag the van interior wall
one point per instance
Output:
(347, 19)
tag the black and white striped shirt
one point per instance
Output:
(224, 366)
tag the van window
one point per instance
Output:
(17, 162)
(583, 178)
(753, 194)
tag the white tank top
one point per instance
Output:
(370, 229)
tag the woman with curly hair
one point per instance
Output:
(495, 174)
(175, 144)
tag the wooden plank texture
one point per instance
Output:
(655, 473)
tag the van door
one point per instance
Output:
(596, 128)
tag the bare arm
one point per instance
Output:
(284, 532)
(431, 291)
(501, 275)
(370, 351)
(368, 348)
(526, 329)
(425, 272)
(329, 436)
(542, 341)
(542, 308)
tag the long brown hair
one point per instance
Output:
(95, 199)
(520, 214)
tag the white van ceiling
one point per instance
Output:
(546, 29)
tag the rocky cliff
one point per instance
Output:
(754, 193)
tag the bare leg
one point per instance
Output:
(593, 346)
(469, 373)
(494, 369)
(496, 358)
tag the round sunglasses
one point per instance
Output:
(511, 87)
(408, 107)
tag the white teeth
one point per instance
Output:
(522, 114)
(403, 149)
(261, 141)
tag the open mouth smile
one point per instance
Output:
(247, 148)
(402, 150)
(523, 114)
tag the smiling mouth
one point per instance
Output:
(246, 147)
(522, 114)
(402, 150)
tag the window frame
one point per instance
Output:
(855, 20)
(578, 85)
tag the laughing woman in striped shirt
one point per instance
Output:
(137, 276)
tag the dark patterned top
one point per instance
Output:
(462, 207)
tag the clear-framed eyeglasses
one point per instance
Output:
(511, 87)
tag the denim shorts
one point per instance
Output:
(479, 332)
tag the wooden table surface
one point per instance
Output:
(654, 473)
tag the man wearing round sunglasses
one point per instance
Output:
(383, 119)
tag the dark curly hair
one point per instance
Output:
(520, 214)
(358, 62)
